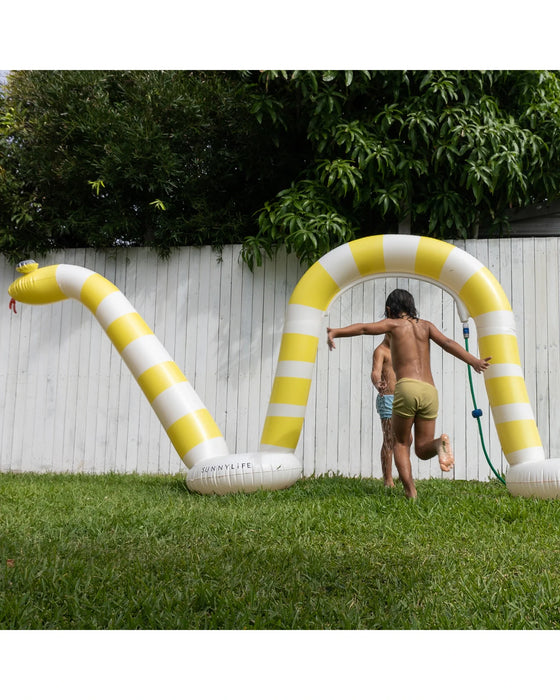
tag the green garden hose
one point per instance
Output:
(477, 413)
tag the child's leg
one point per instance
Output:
(402, 431)
(426, 446)
(387, 452)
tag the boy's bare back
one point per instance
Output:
(410, 349)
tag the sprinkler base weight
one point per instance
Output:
(539, 479)
(245, 473)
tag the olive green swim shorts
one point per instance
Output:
(415, 398)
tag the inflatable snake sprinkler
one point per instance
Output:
(192, 430)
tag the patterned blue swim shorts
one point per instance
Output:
(384, 406)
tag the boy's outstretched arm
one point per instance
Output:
(453, 348)
(357, 329)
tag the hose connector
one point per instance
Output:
(466, 331)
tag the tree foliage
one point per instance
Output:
(305, 160)
(104, 158)
(451, 151)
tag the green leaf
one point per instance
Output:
(96, 185)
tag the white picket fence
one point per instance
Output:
(70, 404)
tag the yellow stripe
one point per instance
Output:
(291, 390)
(191, 430)
(159, 378)
(501, 348)
(316, 288)
(518, 435)
(94, 290)
(506, 390)
(298, 347)
(39, 287)
(482, 293)
(368, 254)
(431, 256)
(126, 329)
(282, 431)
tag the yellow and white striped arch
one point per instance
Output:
(478, 295)
(189, 425)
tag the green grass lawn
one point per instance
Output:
(142, 552)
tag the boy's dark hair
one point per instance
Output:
(398, 302)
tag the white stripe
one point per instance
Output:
(458, 269)
(113, 307)
(292, 368)
(529, 454)
(176, 402)
(341, 265)
(495, 323)
(303, 319)
(503, 370)
(512, 411)
(143, 353)
(213, 447)
(285, 410)
(400, 252)
(71, 278)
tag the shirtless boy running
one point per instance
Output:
(416, 399)
(384, 380)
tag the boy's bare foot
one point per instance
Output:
(445, 454)
(410, 492)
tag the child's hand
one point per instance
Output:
(481, 365)
(330, 342)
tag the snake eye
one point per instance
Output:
(26, 266)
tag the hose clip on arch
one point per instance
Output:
(477, 412)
